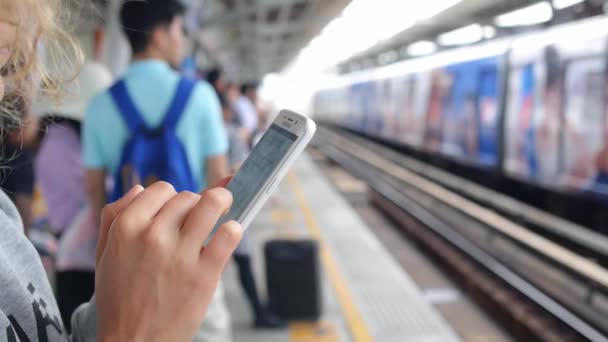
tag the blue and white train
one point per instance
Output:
(534, 107)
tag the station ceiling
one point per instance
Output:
(251, 38)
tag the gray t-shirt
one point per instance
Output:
(28, 311)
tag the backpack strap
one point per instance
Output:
(178, 106)
(126, 106)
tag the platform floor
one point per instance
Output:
(367, 296)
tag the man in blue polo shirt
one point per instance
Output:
(154, 29)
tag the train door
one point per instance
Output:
(410, 130)
(419, 93)
(376, 111)
(441, 85)
(585, 131)
(386, 108)
(357, 97)
(368, 110)
(399, 93)
(534, 116)
(521, 101)
(456, 100)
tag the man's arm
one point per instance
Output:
(96, 192)
(217, 169)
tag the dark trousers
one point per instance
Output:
(248, 283)
(73, 289)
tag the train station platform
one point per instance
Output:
(366, 295)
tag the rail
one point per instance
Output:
(582, 236)
(384, 176)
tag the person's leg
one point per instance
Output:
(217, 324)
(247, 279)
(73, 289)
(263, 317)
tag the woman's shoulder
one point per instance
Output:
(9, 216)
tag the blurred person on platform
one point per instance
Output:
(238, 150)
(215, 78)
(17, 172)
(62, 182)
(232, 94)
(152, 100)
(237, 153)
(245, 107)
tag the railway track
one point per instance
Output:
(536, 285)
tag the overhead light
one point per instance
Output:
(464, 35)
(489, 32)
(561, 4)
(383, 20)
(539, 13)
(421, 48)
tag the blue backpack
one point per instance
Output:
(152, 154)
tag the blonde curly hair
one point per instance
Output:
(44, 56)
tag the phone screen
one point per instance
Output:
(255, 171)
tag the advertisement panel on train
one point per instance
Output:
(368, 107)
(397, 106)
(489, 103)
(533, 115)
(555, 124)
(357, 98)
(556, 112)
(376, 122)
(438, 96)
(414, 109)
(467, 94)
(585, 147)
(386, 109)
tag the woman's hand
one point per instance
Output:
(154, 279)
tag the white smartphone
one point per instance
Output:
(267, 165)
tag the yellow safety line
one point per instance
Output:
(358, 328)
(323, 331)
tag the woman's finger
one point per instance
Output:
(109, 214)
(139, 214)
(217, 253)
(203, 217)
(176, 211)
